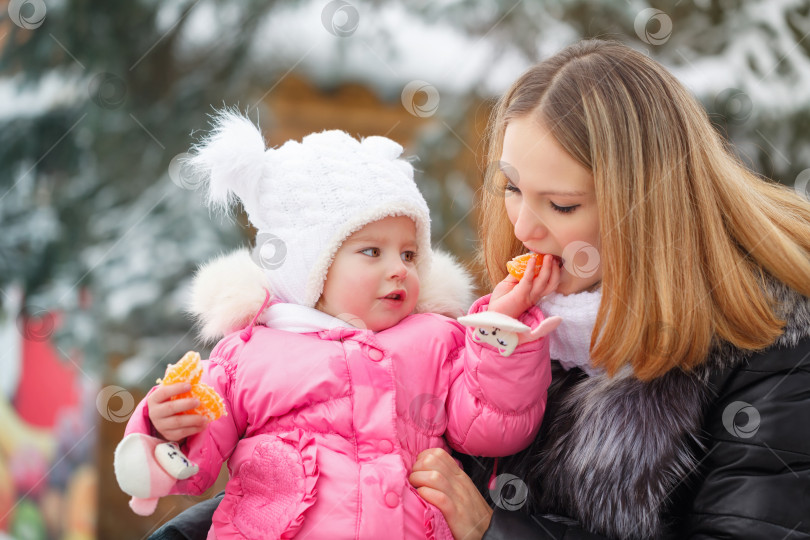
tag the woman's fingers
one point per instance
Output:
(441, 482)
(436, 483)
(439, 499)
(436, 469)
(435, 459)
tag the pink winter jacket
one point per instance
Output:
(323, 427)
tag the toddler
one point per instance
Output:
(334, 372)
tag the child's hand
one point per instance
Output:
(164, 413)
(512, 297)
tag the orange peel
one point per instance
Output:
(517, 266)
(189, 370)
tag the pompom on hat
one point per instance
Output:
(305, 198)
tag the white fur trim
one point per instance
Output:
(447, 289)
(228, 291)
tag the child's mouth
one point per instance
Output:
(396, 296)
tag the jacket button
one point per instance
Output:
(386, 446)
(391, 499)
(375, 354)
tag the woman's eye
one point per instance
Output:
(564, 209)
(511, 187)
(371, 252)
(409, 256)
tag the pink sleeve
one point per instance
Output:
(139, 421)
(496, 403)
(210, 448)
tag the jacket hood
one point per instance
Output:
(228, 291)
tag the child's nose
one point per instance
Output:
(397, 269)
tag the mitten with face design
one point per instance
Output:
(147, 468)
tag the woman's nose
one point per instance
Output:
(528, 225)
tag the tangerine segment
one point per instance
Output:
(187, 369)
(517, 266)
(212, 406)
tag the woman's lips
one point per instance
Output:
(560, 260)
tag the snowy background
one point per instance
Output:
(97, 98)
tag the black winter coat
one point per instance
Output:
(723, 452)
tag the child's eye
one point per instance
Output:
(563, 209)
(371, 252)
(409, 256)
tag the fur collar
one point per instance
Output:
(228, 292)
(612, 469)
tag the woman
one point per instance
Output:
(683, 409)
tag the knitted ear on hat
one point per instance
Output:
(383, 147)
(230, 160)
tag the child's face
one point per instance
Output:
(373, 276)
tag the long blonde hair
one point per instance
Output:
(687, 233)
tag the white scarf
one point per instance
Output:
(299, 319)
(570, 343)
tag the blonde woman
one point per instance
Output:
(681, 404)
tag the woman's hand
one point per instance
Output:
(441, 482)
(512, 297)
(164, 413)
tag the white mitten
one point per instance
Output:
(503, 332)
(147, 468)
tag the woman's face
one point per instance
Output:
(551, 202)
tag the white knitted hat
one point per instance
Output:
(306, 198)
